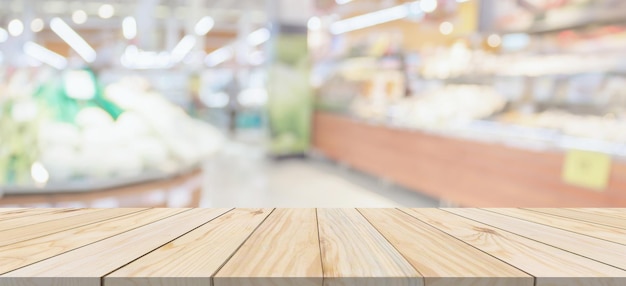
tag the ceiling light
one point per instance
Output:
(219, 56)
(446, 28)
(106, 11)
(44, 55)
(204, 26)
(370, 19)
(15, 27)
(79, 17)
(494, 41)
(258, 37)
(4, 36)
(36, 25)
(341, 2)
(75, 41)
(314, 24)
(129, 28)
(183, 48)
(428, 5)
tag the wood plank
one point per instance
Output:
(86, 265)
(45, 228)
(611, 212)
(597, 249)
(355, 253)
(588, 217)
(23, 212)
(609, 233)
(44, 216)
(549, 265)
(283, 251)
(24, 253)
(441, 258)
(193, 258)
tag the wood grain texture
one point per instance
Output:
(45, 228)
(549, 265)
(424, 247)
(197, 255)
(355, 253)
(609, 233)
(41, 217)
(283, 251)
(584, 216)
(86, 265)
(9, 213)
(610, 212)
(601, 250)
(24, 253)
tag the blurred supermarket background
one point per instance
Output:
(312, 103)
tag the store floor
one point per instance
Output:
(242, 175)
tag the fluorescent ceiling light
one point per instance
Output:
(129, 28)
(371, 19)
(219, 56)
(74, 40)
(204, 26)
(36, 25)
(4, 35)
(44, 55)
(106, 11)
(258, 37)
(183, 48)
(79, 17)
(133, 58)
(15, 27)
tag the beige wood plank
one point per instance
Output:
(283, 251)
(45, 228)
(197, 255)
(24, 253)
(441, 258)
(42, 217)
(611, 212)
(355, 253)
(86, 265)
(613, 234)
(549, 265)
(601, 250)
(24, 212)
(589, 217)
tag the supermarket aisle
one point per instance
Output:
(241, 175)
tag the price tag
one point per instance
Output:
(587, 169)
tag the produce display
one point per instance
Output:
(73, 129)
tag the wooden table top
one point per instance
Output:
(193, 247)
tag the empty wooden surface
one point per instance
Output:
(332, 247)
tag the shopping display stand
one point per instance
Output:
(313, 247)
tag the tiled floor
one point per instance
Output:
(242, 175)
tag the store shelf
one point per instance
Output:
(461, 169)
(520, 247)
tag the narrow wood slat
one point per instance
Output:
(10, 210)
(283, 251)
(610, 212)
(549, 265)
(355, 253)
(24, 253)
(609, 233)
(45, 228)
(16, 213)
(44, 216)
(194, 258)
(441, 258)
(601, 250)
(86, 265)
(589, 217)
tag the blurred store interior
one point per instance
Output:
(312, 103)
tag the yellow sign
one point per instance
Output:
(587, 169)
